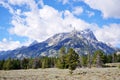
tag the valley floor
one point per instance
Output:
(62, 74)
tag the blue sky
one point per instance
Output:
(23, 21)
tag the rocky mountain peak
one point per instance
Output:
(88, 34)
(81, 41)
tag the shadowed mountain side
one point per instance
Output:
(81, 41)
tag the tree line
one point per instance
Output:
(66, 60)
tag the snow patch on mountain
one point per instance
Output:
(81, 41)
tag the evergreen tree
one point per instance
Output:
(89, 61)
(105, 59)
(80, 61)
(45, 63)
(118, 58)
(30, 63)
(72, 60)
(114, 58)
(84, 61)
(109, 58)
(52, 62)
(24, 63)
(1, 64)
(15, 64)
(7, 64)
(98, 58)
(61, 63)
(36, 63)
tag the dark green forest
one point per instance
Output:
(66, 60)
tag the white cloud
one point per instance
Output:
(69, 1)
(75, 22)
(64, 1)
(90, 14)
(109, 8)
(109, 34)
(6, 5)
(41, 23)
(44, 21)
(17, 2)
(77, 10)
(41, 3)
(12, 44)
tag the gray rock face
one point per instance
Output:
(81, 41)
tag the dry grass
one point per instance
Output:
(113, 64)
(62, 74)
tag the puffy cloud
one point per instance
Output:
(109, 8)
(75, 22)
(77, 10)
(109, 34)
(41, 23)
(12, 44)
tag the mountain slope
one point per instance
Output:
(81, 41)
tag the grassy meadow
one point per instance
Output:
(62, 74)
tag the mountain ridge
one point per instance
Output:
(81, 41)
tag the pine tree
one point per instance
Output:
(118, 58)
(109, 58)
(24, 63)
(7, 64)
(89, 61)
(30, 63)
(84, 61)
(45, 62)
(80, 61)
(1, 64)
(72, 60)
(61, 63)
(36, 63)
(15, 64)
(98, 58)
(114, 58)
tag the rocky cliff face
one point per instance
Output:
(81, 41)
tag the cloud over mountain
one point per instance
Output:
(38, 21)
(81, 41)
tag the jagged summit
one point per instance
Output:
(84, 34)
(33, 43)
(87, 33)
(81, 41)
(74, 32)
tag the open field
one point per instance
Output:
(113, 64)
(62, 74)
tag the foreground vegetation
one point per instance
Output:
(61, 74)
(46, 68)
(66, 60)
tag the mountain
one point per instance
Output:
(34, 42)
(81, 41)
